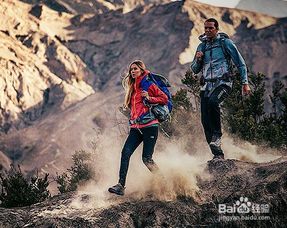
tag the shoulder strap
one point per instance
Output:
(145, 83)
(222, 44)
(203, 47)
(226, 54)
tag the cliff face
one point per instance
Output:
(38, 74)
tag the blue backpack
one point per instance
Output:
(161, 112)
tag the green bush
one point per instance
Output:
(19, 191)
(80, 172)
(246, 116)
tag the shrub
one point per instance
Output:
(80, 172)
(19, 191)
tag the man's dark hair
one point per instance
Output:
(215, 22)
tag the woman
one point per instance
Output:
(143, 125)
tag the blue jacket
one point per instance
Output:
(214, 64)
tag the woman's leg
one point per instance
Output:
(149, 140)
(133, 141)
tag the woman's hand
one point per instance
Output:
(145, 94)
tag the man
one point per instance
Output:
(213, 57)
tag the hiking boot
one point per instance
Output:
(215, 142)
(218, 157)
(117, 189)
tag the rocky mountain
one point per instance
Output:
(94, 6)
(51, 59)
(247, 195)
(38, 74)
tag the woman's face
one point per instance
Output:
(135, 71)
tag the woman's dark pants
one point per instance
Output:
(148, 136)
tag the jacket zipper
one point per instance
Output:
(134, 104)
(211, 72)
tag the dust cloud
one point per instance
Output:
(245, 151)
(177, 177)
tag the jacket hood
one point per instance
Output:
(203, 37)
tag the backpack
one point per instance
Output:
(161, 112)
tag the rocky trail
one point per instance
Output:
(228, 182)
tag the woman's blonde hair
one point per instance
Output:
(128, 81)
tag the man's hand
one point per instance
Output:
(246, 89)
(199, 55)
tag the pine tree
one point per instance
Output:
(243, 114)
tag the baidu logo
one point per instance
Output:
(243, 209)
(243, 206)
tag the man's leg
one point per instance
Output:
(214, 102)
(204, 117)
(149, 140)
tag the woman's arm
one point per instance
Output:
(156, 96)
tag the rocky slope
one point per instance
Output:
(258, 189)
(38, 74)
(70, 56)
(94, 6)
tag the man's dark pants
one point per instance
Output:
(210, 114)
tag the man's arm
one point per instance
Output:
(197, 62)
(239, 63)
(237, 60)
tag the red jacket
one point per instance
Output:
(156, 96)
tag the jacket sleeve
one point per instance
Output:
(156, 96)
(196, 66)
(237, 60)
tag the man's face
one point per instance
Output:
(210, 30)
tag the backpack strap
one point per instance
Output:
(226, 54)
(222, 44)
